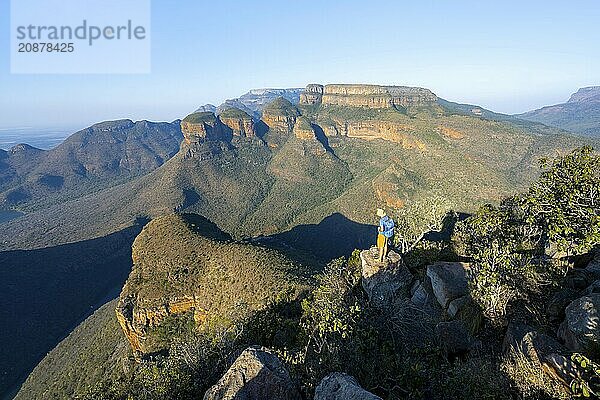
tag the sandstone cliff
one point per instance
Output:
(280, 114)
(370, 96)
(201, 125)
(240, 123)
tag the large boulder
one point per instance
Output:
(257, 374)
(384, 282)
(340, 386)
(454, 338)
(581, 328)
(522, 338)
(593, 267)
(449, 281)
(555, 308)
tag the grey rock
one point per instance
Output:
(384, 282)
(457, 304)
(593, 267)
(581, 328)
(594, 288)
(522, 338)
(256, 374)
(340, 386)
(558, 302)
(454, 338)
(448, 280)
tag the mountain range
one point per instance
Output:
(581, 113)
(295, 171)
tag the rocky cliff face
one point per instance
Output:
(303, 129)
(201, 125)
(370, 96)
(280, 115)
(185, 267)
(206, 125)
(240, 122)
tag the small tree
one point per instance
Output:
(417, 219)
(565, 200)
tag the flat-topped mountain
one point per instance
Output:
(580, 114)
(371, 96)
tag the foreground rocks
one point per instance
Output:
(449, 281)
(581, 328)
(340, 386)
(384, 282)
(257, 374)
(454, 339)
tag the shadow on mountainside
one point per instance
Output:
(335, 236)
(46, 292)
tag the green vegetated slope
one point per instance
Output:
(94, 351)
(580, 114)
(89, 160)
(248, 188)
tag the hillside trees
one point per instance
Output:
(507, 243)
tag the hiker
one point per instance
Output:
(386, 232)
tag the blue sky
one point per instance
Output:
(509, 56)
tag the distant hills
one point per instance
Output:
(254, 101)
(581, 114)
(91, 159)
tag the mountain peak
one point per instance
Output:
(586, 94)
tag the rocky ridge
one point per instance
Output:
(370, 96)
(184, 265)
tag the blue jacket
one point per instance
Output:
(387, 226)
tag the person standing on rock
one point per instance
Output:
(386, 232)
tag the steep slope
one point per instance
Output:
(96, 157)
(580, 114)
(97, 347)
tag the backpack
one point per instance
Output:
(388, 227)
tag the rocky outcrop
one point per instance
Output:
(240, 123)
(185, 267)
(313, 94)
(541, 350)
(280, 115)
(255, 375)
(581, 328)
(449, 281)
(403, 134)
(522, 338)
(369, 96)
(303, 129)
(384, 282)
(340, 386)
(136, 320)
(202, 125)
